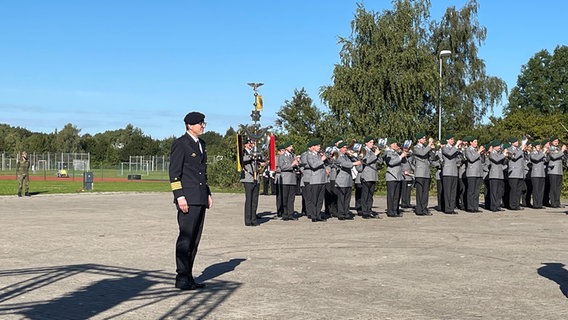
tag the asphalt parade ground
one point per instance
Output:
(111, 256)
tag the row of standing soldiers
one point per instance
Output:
(513, 173)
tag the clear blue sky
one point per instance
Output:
(103, 64)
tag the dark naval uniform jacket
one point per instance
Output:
(188, 170)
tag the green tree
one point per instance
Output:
(299, 120)
(387, 80)
(68, 139)
(542, 84)
(468, 92)
(386, 72)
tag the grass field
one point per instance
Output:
(105, 180)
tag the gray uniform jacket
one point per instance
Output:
(406, 168)
(538, 160)
(287, 174)
(316, 167)
(332, 166)
(277, 175)
(248, 167)
(555, 157)
(344, 178)
(516, 163)
(304, 169)
(394, 166)
(421, 154)
(369, 172)
(450, 156)
(497, 160)
(474, 164)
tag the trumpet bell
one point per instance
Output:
(362, 153)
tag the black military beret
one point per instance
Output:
(194, 117)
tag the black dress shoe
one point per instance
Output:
(199, 285)
(185, 285)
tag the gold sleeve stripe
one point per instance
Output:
(176, 185)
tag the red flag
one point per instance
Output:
(272, 152)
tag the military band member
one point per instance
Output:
(538, 174)
(369, 177)
(450, 155)
(486, 165)
(288, 164)
(250, 177)
(394, 176)
(421, 154)
(516, 174)
(496, 176)
(305, 175)
(278, 181)
(462, 177)
(526, 188)
(318, 179)
(408, 181)
(554, 171)
(330, 189)
(344, 182)
(437, 162)
(474, 174)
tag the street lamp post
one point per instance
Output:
(442, 53)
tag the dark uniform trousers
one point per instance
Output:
(450, 187)
(315, 201)
(343, 200)
(496, 190)
(440, 194)
(288, 197)
(331, 199)
(251, 202)
(473, 189)
(393, 198)
(422, 192)
(405, 191)
(462, 193)
(279, 205)
(515, 186)
(487, 194)
(555, 189)
(526, 192)
(367, 191)
(538, 191)
(190, 228)
(358, 192)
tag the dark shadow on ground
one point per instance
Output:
(219, 269)
(555, 271)
(114, 291)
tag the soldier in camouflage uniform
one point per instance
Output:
(23, 173)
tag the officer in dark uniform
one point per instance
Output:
(188, 179)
